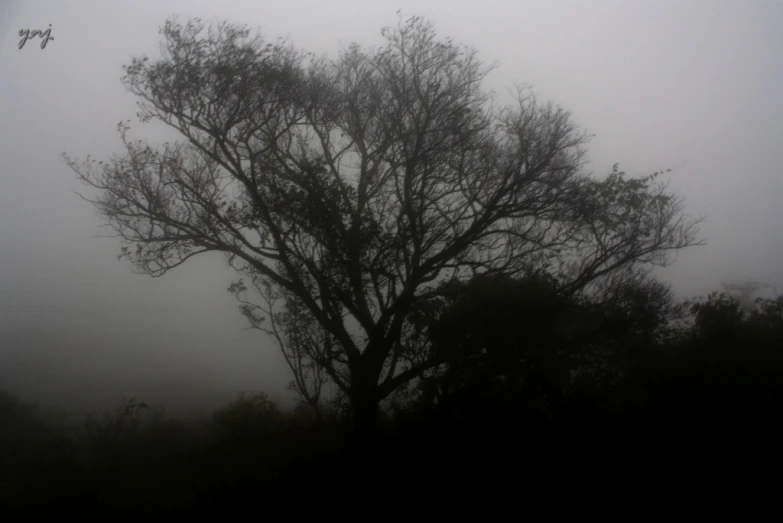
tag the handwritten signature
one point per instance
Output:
(27, 34)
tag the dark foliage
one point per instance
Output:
(544, 386)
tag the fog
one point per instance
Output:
(692, 86)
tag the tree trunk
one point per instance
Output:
(365, 423)
(364, 410)
(363, 449)
(364, 401)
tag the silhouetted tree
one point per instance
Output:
(523, 341)
(725, 368)
(347, 190)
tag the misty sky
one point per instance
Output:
(696, 86)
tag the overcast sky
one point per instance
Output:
(692, 85)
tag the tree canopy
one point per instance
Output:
(346, 191)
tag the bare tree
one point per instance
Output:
(344, 191)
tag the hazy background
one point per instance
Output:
(685, 84)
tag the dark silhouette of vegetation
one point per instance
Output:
(346, 191)
(537, 383)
